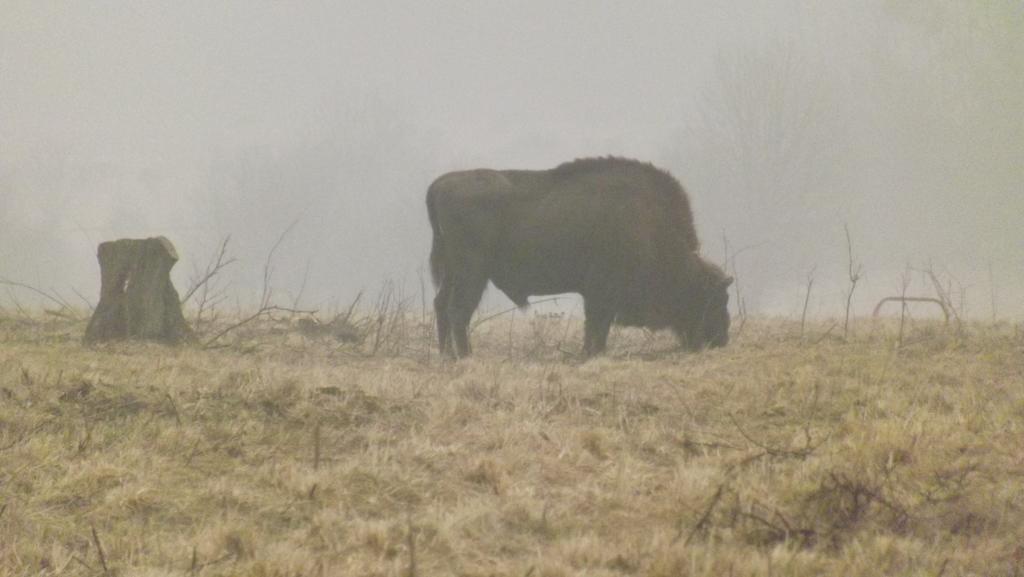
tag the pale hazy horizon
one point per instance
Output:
(783, 120)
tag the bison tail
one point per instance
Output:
(437, 264)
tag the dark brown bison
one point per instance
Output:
(618, 232)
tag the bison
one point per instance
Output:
(617, 231)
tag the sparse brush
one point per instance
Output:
(773, 456)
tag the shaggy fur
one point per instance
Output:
(619, 232)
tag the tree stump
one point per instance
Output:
(137, 299)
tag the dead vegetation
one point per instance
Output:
(330, 454)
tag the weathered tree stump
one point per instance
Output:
(137, 299)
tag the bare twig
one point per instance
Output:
(195, 566)
(706, 516)
(351, 309)
(730, 267)
(479, 322)
(17, 305)
(780, 533)
(61, 314)
(87, 302)
(50, 296)
(66, 305)
(807, 300)
(24, 436)
(263, 311)
(302, 287)
(423, 295)
(943, 295)
(390, 318)
(827, 333)
(204, 285)
(79, 560)
(854, 273)
(785, 531)
(60, 570)
(316, 447)
(992, 290)
(864, 495)
(905, 282)
(174, 408)
(99, 550)
(801, 453)
(266, 306)
(424, 316)
(268, 269)
(213, 268)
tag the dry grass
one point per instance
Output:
(289, 454)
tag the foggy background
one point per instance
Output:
(783, 120)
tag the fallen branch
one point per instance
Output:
(801, 453)
(55, 299)
(782, 531)
(264, 311)
(942, 305)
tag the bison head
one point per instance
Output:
(704, 319)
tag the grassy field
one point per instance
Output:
(289, 452)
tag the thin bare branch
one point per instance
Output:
(266, 307)
(213, 268)
(262, 312)
(302, 287)
(706, 516)
(268, 269)
(854, 273)
(53, 298)
(99, 550)
(479, 322)
(807, 299)
(87, 302)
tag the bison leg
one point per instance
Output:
(465, 297)
(595, 328)
(442, 302)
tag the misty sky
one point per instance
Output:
(784, 120)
